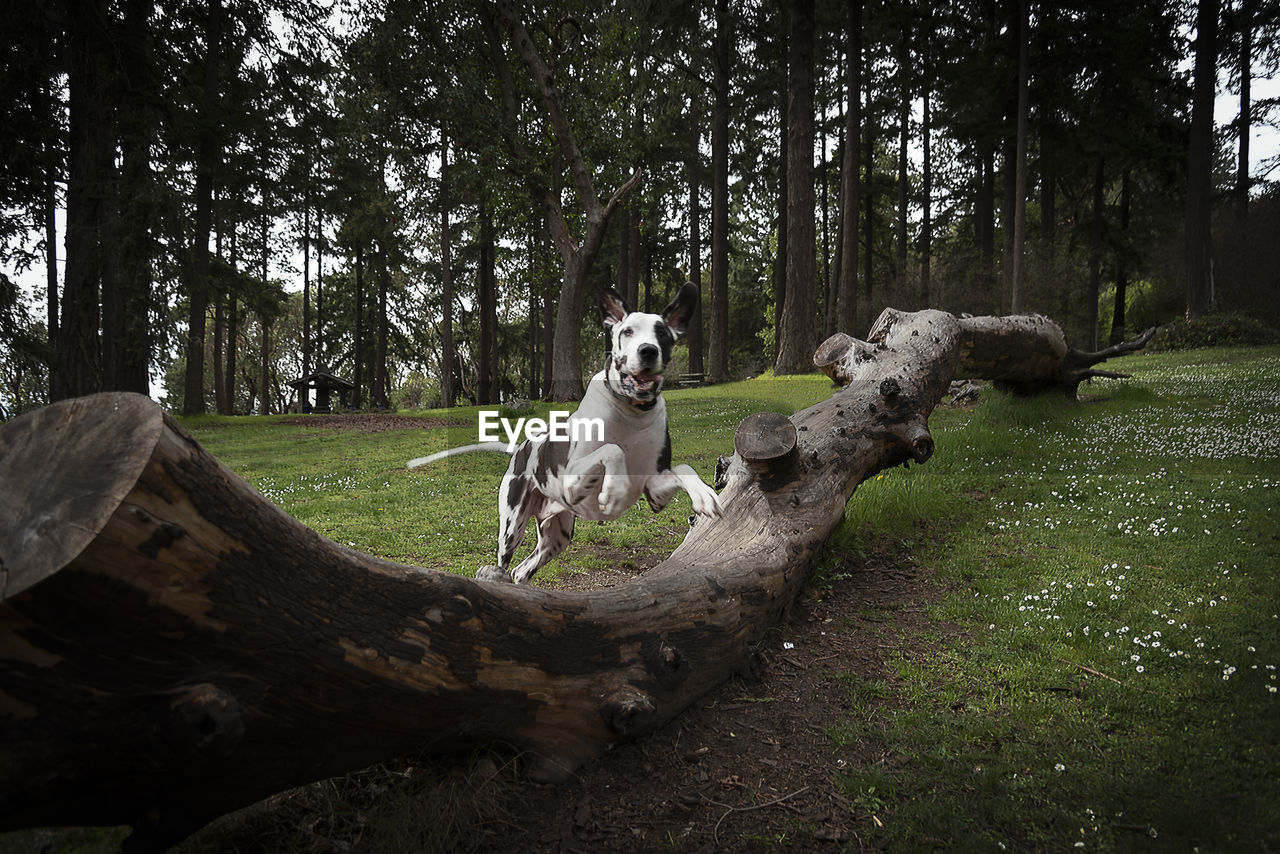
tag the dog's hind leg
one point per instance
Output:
(518, 499)
(554, 533)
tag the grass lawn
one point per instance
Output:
(1099, 670)
(1103, 672)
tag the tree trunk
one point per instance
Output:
(307, 348)
(904, 138)
(486, 299)
(219, 343)
(264, 395)
(850, 185)
(206, 156)
(695, 339)
(780, 257)
(926, 192)
(1095, 250)
(264, 324)
(242, 653)
(51, 226)
(357, 394)
(137, 126)
(1017, 273)
(233, 332)
(77, 363)
(986, 215)
(1246, 13)
(869, 212)
(797, 330)
(624, 257)
(1200, 164)
(448, 357)
(1122, 271)
(378, 394)
(718, 331)
(535, 299)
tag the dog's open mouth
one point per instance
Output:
(641, 385)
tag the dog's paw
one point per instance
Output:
(492, 574)
(613, 496)
(706, 502)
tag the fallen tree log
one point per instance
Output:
(173, 646)
(1024, 354)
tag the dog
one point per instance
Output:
(598, 477)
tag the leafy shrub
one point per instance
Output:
(1216, 330)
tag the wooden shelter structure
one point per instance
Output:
(325, 384)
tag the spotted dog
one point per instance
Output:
(599, 477)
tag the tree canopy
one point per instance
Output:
(217, 196)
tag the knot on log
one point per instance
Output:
(628, 710)
(890, 389)
(919, 443)
(206, 719)
(766, 441)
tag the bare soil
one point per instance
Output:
(751, 766)
(369, 422)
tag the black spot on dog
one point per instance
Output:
(552, 456)
(666, 340)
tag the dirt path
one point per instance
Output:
(751, 765)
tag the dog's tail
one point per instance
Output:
(500, 447)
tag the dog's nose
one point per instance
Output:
(648, 353)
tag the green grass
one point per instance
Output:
(1103, 672)
(1100, 668)
(354, 488)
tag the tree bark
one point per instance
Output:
(797, 330)
(241, 653)
(265, 319)
(850, 184)
(926, 188)
(77, 363)
(448, 357)
(487, 307)
(357, 335)
(695, 339)
(1245, 70)
(718, 330)
(904, 138)
(206, 157)
(1095, 249)
(1017, 272)
(1200, 164)
(1122, 266)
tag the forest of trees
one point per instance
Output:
(422, 196)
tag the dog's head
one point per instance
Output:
(642, 343)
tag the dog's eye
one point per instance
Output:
(627, 333)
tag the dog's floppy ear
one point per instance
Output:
(680, 312)
(612, 307)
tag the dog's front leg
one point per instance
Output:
(601, 474)
(661, 488)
